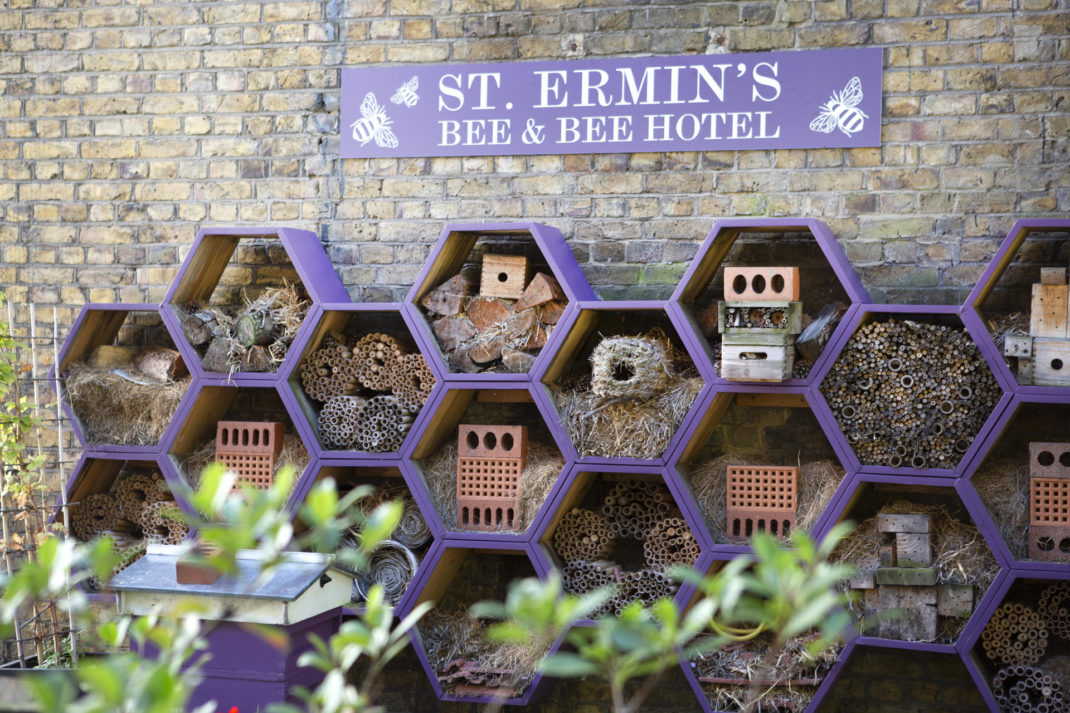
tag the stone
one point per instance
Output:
(897, 522)
(955, 600)
(906, 576)
(912, 550)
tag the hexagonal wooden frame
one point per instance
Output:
(209, 257)
(714, 251)
(449, 254)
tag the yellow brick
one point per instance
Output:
(110, 61)
(122, 148)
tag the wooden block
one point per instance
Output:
(552, 312)
(1053, 275)
(1048, 314)
(739, 316)
(1018, 347)
(543, 288)
(1051, 362)
(908, 613)
(871, 602)
(758, 337)
(1025, 373)
(766, 363)
(538, 338)
(863, 580)
(461, 363)
(503, 276)
(448, 298)
(761, 283)
(217, 357)
(896, 522)
(503, 396)
(487, 312)
(451, 332)
(907, 577)
(774, 400)
(954, 600)
(886, 554)
(912, 550)
(1049, 460)
(108, 356)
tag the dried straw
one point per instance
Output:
(544, 465)
(630, 367)
(451, 635)
(1013, 324)
(818, 481)
(115, 410)
(1004, 488)
(288, 309)
(960, 554)
(293, 454)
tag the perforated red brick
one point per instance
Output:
(761, 499)
(1049, 460)
(490, 460)
(249, 448)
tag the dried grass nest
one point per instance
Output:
(544, 464)
(116, 410)
(638, 423)
(818, 481)
(1004, 488)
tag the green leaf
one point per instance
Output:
(567, 665)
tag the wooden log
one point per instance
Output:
(461, 363)
(448, 298)
(255, 327)
(1053, 275)
(452, 332)
(552, 312)
(108, 356)
(256, 358)
(537, 339)
(516, 361)
(487, 312)
(217, 358)
(487, 351)
(521, 324)
(160, 363)
(543, 288)
(200, 327)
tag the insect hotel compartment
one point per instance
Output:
(122, 377)
(923, 564)
(910, 389)
(241, 296)
(1022, 299)
(759, 461)
(766, 297)
(246, 427)
(395, 563)
(360, 380)
(1024, 648)
(489, 299)
(452, 645)
(487, 459)
(128, 501)
(622, 529)
(622, 381)
(1024, 481)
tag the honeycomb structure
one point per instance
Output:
(735, 242)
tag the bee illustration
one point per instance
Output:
(406, 93)
(373, 124)
(840, 111)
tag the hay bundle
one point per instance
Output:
(1004, 488)
(117, 410)
(543, 466)
(162, 523)
(95, 514)
(391, 565)
(630, 367)
(818, 481)
(139, 490)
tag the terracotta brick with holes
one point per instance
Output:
(1049, 501)
(761, 284)
(490, 460)
(761, 499)
(249, 448)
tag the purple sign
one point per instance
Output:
(768, 100)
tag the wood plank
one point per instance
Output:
(706, 427)
(776, 400)
(1053, 275)
(444, 425)
(503, 396)
(1048, 314)
(581, 330)
(1051, 362)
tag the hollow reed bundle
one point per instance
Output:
(412, 382)
(94, 515)
(1054, 608)
(128, 554)
(582, 535)
(910, 394)
(118, 410)
(1015, 635)
(818, 481)
(1025, 689)
(383, 425)
(338, 421)
(163, 523)
(541, 470)
(328, 372)
(138, 490)
(375, 360)
(391, 565)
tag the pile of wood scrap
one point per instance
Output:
(253, 337)
(497, 329)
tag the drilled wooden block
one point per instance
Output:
(761, 283)
(900, 522)
(1053, 275)
(761, 499)
(1025, 372)
(1051, 362)
(735, 317)
(1018, 347)
(1049, 460)
(912, 550)
(249, 449)
(909, 613)
(503, 276)
(1048, 313)
(1049, 543)
(954, 600)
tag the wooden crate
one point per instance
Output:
(503, 276)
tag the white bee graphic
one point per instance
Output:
(406, 93)
(373, 124)
(840, 111)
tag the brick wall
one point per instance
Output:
(125, 126)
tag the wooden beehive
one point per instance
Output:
(1049, 501)
(761, 499)
(503, 276)
(249, 448)
(490, 460)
